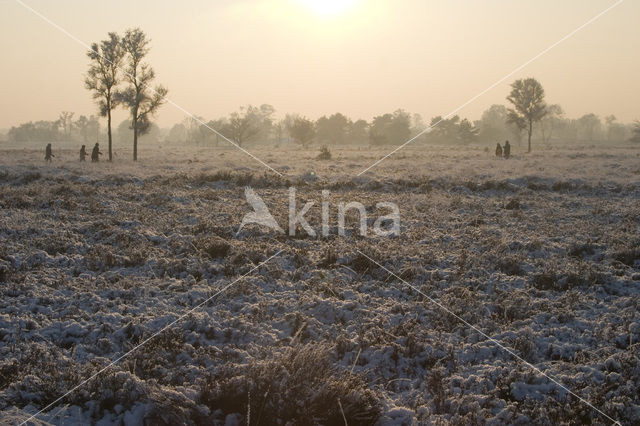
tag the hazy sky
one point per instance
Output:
(315, 57)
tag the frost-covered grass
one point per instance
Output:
(541, 252)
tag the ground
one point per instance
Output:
(540, 253)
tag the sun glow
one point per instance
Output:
(329, 7)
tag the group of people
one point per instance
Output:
(506, 151)
(95, 153)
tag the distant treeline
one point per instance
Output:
(253, 124)
(118, 75)
(64, 128)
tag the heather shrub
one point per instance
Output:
(213, 246)
(325, 154)
(301, 385)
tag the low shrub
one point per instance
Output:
(545, 281)
(580, 250)
(299, 386)
(325, 154)
(213, 246)
(509, 265)
(512, 204)
(627, 256)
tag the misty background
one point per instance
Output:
(374, 64)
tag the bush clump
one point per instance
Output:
(513, 204)
(509, 265)
(628, 257)
(545, 281)
(213, 246)
(299, 386)
(325, 154)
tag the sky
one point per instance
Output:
(316, 57)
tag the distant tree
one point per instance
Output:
(493, 124)
(323, 130)
(141, 100)
(615, 131)
(443, 130)
(177, 134)
(153, 135)
(378, 133)
(527, 98)
(417, 124)
(93, 126)
(40, 131)
(550, 121)
(244, 125)
(45, 130)
(589, 126)
(467, 132)
(65, 121)
(125, 132)
(376, 138)
(618, 132)
(400, 129)
(635, 132)
(82, 124)
(266, 120)
(610, 122)
(104, 76)
(278, 131)
(192, 128)
(390, 128)
(217, 124)
(196, 132)
(567, 129)
(358, 131)
(205, 132)
(610, 119)
(302, 130)
(332, 129)
(288, 120)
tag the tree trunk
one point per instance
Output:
(135, 139)
(109, 132)
(530, 130)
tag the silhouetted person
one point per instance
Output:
(498, 150)
(47, 153)
(95, 154)
(507, 149)
(83, 153)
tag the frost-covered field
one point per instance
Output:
(541, 252)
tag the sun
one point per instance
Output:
(329, 7)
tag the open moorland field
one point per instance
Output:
(540, 252)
